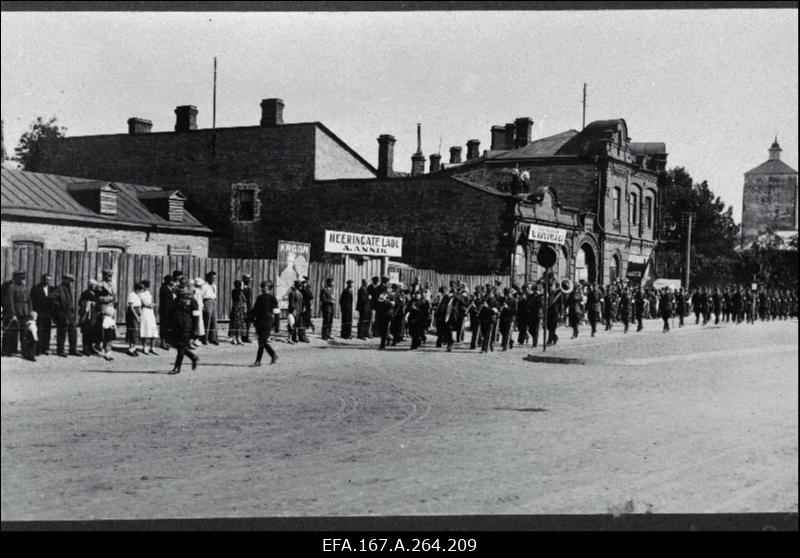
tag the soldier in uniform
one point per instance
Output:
(522, 315)
(608, 306)
(16, 310)
(737, 302)
(624, 308)
(716, 303)
(508, 308)
(665, 307)
(554, 309)
(574, 310)
(363, 308)
(346, 309)
(41, 304)
(487, 318)
(63, 305)
(594, 304)
(417, 318)
(726, 305)
(474, 323)
(697, 305)
(680, 305)
(534, 313)
(638, 308)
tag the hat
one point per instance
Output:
(68, 276)
(93, 282)
(349, 281)
(198, 281)
(20, 274)
(246, 276)
(108, 271)
(210, 273)
(266, 284)
(305, 277)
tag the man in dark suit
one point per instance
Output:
(16, 309)
(247, 291)
(363, 307)
(534, 313)
(166, 298)
(326, 305)
(261, 315)
(40, 302)
(346, 307)
(63, 304)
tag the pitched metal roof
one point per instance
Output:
(544, 147)
(772, 166)
(47, 197)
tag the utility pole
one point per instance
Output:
(584, 107)
(214, 114)
(688, 217)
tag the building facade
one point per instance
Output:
(770, 198)
(56, 212)
(276, 181)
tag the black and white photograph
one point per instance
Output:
(420, 265)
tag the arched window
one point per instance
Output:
(648, 212)
(633, 209)
(613, 274)
(616, 193)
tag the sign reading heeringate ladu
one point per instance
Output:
(547, 234)
(337, 242)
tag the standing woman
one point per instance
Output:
(133, 319)
(148, 329)
(184, 316)
(238, 313)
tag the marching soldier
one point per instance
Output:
(608, 307)
(522, 315)
(574, 309)
(508, 307)
(716, 302)
(638, 305)
(737, 302)
(665, 307)
(680, 305)
(594, 303)
(554, 307)
(624, 308)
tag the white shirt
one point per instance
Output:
(209, 291)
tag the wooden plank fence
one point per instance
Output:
(130, 268)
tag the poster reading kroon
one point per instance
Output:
(293, 258)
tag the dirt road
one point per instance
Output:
(698, 420)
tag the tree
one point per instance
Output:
(714, 232)
(29, 143)
(770, 261)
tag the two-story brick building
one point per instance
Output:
(258, 184)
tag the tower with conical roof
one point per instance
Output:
(770, 196)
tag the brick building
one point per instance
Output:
(66, 213)
(770, 198)
(259, 184)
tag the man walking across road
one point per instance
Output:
(261, 315)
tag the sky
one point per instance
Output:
(715, 85)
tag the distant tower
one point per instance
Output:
(770, 196)
(418, 159)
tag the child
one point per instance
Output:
(30, 338)
(109, 326)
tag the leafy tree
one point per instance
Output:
(715, 235)
(29, 143)
(770, 261)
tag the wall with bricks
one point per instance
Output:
(445, 225)
(769, 201)
(72, 237)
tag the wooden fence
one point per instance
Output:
(130, 268)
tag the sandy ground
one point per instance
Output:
(703, 419)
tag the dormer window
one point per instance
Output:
(167, 204)
(100, 197)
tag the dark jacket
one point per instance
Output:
(16, 301)
(326, 298)
(166, 298)
(180, 321)
(665, 305)
(262, 312)
(363, 301)
(41, 302)
(63, 305)
(346, 300)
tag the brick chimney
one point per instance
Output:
(385, 155)
(524, 127)
(455, 154)
(510, 133)
(139, 126)
(418, 159)
(498, 138)
(185, 118)
(436, 162)
(271, 113)
(473, 149)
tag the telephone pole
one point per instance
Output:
(688, 219)
(584, 107)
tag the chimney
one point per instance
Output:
(436, 162)
(418, 159)
(510, 132)
(139, 126)
(385, 155)
(455, 154)
(186, 118)
(498, 138)
(524, 127)
(473, 149)
(271, 113)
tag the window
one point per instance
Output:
(247, 205)
(617, 192)
(633, 215)
(648, 212)
(111, 248)
(27, 244)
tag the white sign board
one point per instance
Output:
(394, 277)
(338, 242)
(754, 287)
(547, 234)
(673, 284)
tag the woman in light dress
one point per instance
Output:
(197, 315)
(133, 319)
(148, 329)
